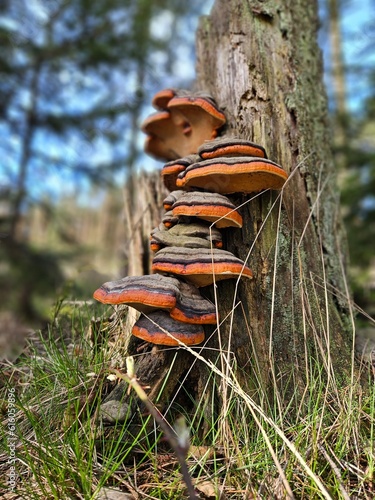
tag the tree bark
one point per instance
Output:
(261, 62)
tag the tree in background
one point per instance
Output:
(74, 76)
(354, 144)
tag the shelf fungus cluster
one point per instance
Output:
(201, 169)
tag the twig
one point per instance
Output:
(179, 440)
(335, 470)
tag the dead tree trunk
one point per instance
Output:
(261, 62)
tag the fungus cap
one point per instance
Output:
(169, 219)
(143, 293)
(171, 198)
(212, 207)
(162, 98)
(201, 266)
(172, 169)
(155, 326)
(230, 146)
(191, 235)
(191, 307)
(244, 174)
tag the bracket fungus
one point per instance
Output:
(201, 169)
(171, 198)
(144, 293)
(212, 207)
(201, 266)
(164, 138)
(183, 122)
(230, 146)
(161, 99)
(224, 175)
(194, 235)
(191, 307)
(169, 219)
(172, 169)
(154, 327)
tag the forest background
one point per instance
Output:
(76, 80)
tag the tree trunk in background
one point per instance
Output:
(262, 64)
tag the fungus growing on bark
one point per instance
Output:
(224, 175)
(200, 266)
(170, 170)
(230, 146)
(183, 123)
(171, 198)
(161, 99)
(144, 293)
(203, 116)
(163, 137)
(155, 326)
(169, 219)
(212, 207)
(192, 235)
(191, 307)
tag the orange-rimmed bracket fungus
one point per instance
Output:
(192, 235)
(212, 207)
(201, 266)
(169, 219)
(230, 146)
(164, 139)
(144, 293)
(159, 328)
(172, 169)
(183, 123)
(202, 114)
(161, 99)
(226, 175)
(191, 307)
(171, 198)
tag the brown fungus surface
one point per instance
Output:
(200, 266)
(165, 136)
(212, 207)
(191, 307)
(191, 235)
(224, 175)
(144, 293)
(230, 146)
(171, 198)
(172, 169)
(159, 328)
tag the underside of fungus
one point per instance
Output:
(200, 266)
(159, 328)
(183, 123)
(165, 139)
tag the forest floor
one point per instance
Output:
(58, 443)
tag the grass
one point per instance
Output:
(312, 444)
(64, 450)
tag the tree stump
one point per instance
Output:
(261, 62)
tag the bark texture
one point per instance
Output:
(261, 62)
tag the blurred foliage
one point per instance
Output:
(352, 105)
(75, 78)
